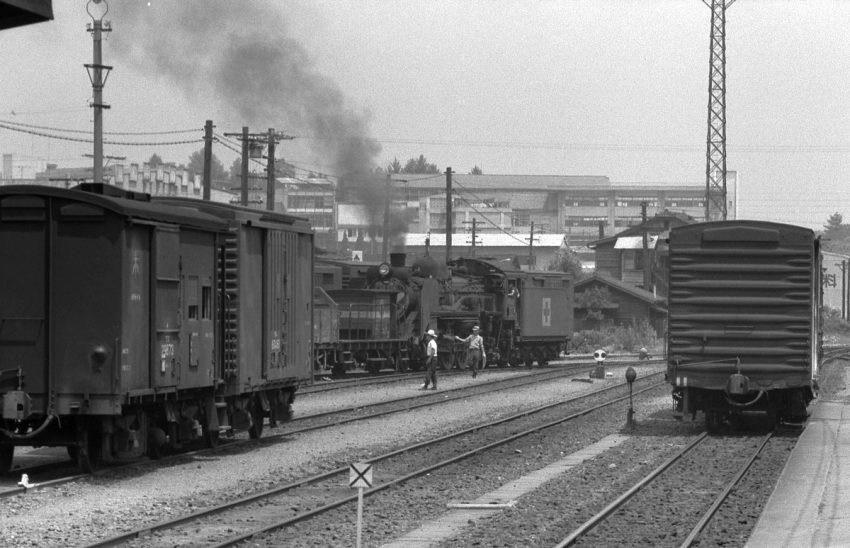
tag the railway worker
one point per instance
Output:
(475, 355)
(430, 360)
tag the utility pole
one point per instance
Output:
(474, 223)
(715, 168)
(843, 265)
(646, 265)
(385, 250)
(448, 214)
(98, 73)
(252, 144)
(208, 140)
(243, 200)
(531, 260)
(270, 169)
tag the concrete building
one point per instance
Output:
(585, 208)
(159, 180)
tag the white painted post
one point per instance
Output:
(359, 515)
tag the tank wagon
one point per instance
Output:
(128, 325)
(744, 313)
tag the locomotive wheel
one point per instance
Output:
(157, 442)
(7, 453)
(712, 421)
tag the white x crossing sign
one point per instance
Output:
(360, 475)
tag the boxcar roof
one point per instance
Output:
(132, 205)
(238, 213)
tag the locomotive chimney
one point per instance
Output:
(397, 259)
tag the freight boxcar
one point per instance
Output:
(128, 325)
(265, 312)
(744, 320)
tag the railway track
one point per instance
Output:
(372, 380)
(307, 498)
(682, 495)
(61, 471)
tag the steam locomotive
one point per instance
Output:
(373, 316)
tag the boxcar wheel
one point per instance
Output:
(89, 452)
(211, 438)
(7, 453)
(257, 418)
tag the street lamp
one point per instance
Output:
(98, 73)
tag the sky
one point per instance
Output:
(615, 88)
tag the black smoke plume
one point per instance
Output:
(239, 55)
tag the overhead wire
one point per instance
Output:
(65, 130)
(116, 143)
(487, 219)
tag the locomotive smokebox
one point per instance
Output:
(398, 259)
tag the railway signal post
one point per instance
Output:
(631, 375)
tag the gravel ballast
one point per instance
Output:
(99, 507)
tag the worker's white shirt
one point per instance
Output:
(432, 348)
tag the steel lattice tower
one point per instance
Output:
(715, 168)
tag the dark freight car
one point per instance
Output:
(127, 324)
(744, 319)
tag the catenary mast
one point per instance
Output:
(715, 169)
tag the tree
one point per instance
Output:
(420, 165)
(476, 171)
(834, 222)
(594, 300)
(155, 160)
(394, 166)
(236, 172)
(196, 164)
(836, 235)
(565, 260)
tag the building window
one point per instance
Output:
(589, 202)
